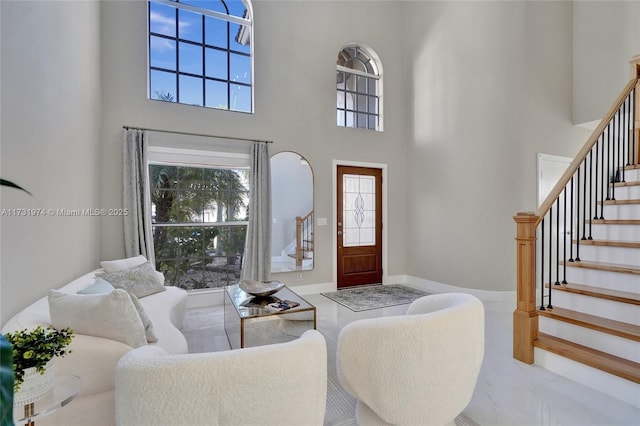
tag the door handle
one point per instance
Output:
(339, 232)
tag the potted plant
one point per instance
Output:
(33, 352)
(6, 383)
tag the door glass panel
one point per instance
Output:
(359, 201)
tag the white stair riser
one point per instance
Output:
(605, 279)
(614, 345)
(615, 232)
(627, 192)
(631, 175)
(622, 389)
(604, 308)
(621, 211)
(609, 254)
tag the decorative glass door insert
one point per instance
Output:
(359, 210)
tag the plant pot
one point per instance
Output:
(35, 386)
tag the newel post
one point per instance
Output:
(525, 317)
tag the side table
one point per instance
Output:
(65, 388)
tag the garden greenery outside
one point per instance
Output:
(199, 224)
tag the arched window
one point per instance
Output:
(359, 88)
(200, 53)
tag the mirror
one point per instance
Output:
(291, 212)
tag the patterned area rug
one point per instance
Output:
(375, 296)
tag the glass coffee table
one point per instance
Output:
(65, 389)
(250, 321)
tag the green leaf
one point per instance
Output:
(6, 383)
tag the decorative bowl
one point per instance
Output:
(261, 289)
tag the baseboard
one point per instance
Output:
(305, 289)
(204, 298)
(213, 297)
(507, 297)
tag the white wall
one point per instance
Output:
(49, 143)
(606, 35)
(296, 49)
(492, 86)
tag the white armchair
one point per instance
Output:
(279, 384)
(415, 369)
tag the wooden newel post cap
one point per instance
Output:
(525, 217)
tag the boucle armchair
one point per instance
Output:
(280, 384)
(415, 369)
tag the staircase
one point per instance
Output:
(578, 283)
(591, 334)
(304, 240)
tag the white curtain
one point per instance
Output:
(138, 239)
(257, 253)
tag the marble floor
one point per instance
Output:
(508, 392)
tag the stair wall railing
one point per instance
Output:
(550, 239)
(304, 236)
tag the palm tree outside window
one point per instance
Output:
(199, 223)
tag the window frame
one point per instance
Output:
(180, 157)
(246, 22)
(377, 76)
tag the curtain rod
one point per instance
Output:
(197, 134)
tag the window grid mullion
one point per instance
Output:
(203, 46)
(228, 64)
(364, 100)
(204, 67)
(177, 18)
(195, 43)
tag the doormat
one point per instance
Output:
(375, 297)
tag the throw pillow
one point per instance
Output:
(121, 264)
(110, 316)
(101, 286)
(140, 280)
(149, 332)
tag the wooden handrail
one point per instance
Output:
(582, 154)
(305, 217)
(525, 316)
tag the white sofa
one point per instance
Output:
(279, 384)
(94, 359)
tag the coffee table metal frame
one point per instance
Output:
(242, 310)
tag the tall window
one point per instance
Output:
(359, 88)
(199, 223)
(200, 53)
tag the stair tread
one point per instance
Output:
(599, 292)
(293, 256)
(604, 266)
(627, 183)
(614, 221)
(620, 202)
(605, 325)
(609, 243)
(617, 366)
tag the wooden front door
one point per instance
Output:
(359, 226)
